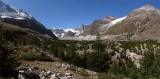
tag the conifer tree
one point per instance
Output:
(146, 64)
(8, 62)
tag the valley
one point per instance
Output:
(110, 48)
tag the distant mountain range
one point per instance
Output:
(20, 18)
(87, 30)
(141, 23)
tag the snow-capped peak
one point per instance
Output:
(72, 30)
(77, 32)
(22, 13)
(7, 11)
(59, 32)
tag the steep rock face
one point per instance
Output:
(150, 31)
(97, 26)
(109, 18)
(58, 32)
(20, 18)
(136, 19)
(85, 29)
(142, 16)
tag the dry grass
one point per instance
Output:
(122, 28)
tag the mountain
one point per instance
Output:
(97, 26)
(61, 33)
(141, 23)
(88, 32)
(7, 11)
(138, 18)
(20, 18)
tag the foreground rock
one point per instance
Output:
(53, 70)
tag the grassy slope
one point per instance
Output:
(121, 28)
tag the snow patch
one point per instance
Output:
(72, 30)
(59, 32)
(114, 22)
(3, 16)
(7, 11)
(62, 35)
(77, 32)
(117, 20)
(56, 34)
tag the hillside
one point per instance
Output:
(150, 31)
(32, 50)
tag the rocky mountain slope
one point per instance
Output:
(98, 26)
(138, 18)
(20, 18)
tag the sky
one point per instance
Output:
(74, 13)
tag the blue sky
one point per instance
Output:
(74, 13)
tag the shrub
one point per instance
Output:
(110, 76)
(84, 73)
(73, 68)
(30, 56)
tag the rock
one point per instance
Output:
(69, 75)
(134, 57)
(28, 73)
(54, 76)
(116, 57)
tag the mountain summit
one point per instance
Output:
(136, 19)
(147, 7)
(7, 11)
